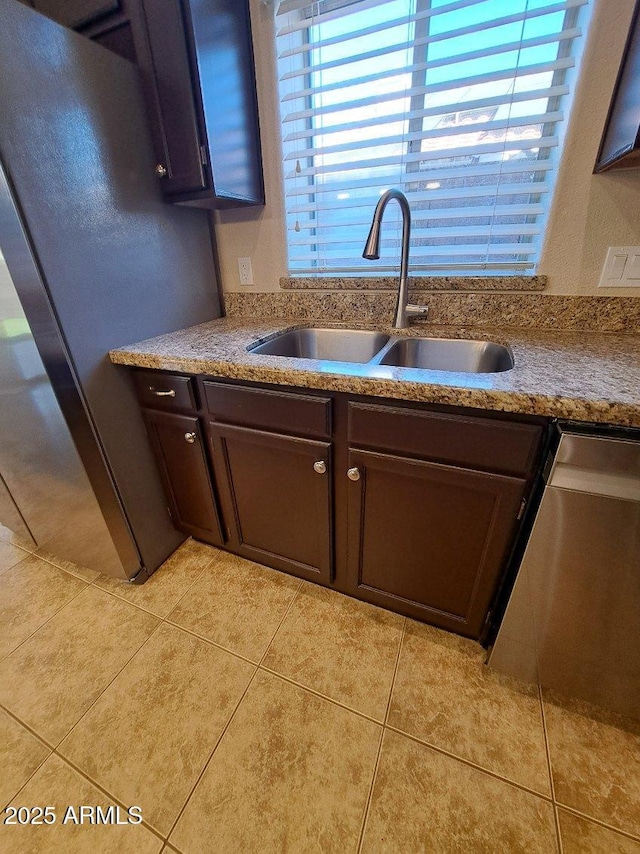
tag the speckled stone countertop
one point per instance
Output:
(575, 375)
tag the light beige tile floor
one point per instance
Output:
(245, 711)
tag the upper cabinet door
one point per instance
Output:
(205, 100)
(179, 135)
(220, 32)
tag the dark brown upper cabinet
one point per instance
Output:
(620, 146)
(198, 76)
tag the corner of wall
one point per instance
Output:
(592, 212)
(258, 232)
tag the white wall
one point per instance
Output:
(589, 212)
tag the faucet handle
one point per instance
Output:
(417, 310)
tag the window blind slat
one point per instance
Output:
(316, 17)
(394, 47)
(369, 202)
(426, 234)
(482, 53)
(304, 47)
(421, 216)
(425, 156)
(478, 172)
(418, 259)
(431, 134)
(440, 110)
(404, 94)
(420, 269)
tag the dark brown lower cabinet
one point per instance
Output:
(178, 446)
(409, 507)
(277, 497)
(428, 539)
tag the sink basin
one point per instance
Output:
(341, 345)
(449, 354)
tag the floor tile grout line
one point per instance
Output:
(280, 624)
(210, 642)
(214, 559)
(469, 763)
(141, 607)
(110, 683)
(547, 749)
(395, 670)
(367, 807)
(29, 778)
(259, 667)
(16, 546)
(33, 773)
(547, 745)
(48, 620)
(51, 562)
(105, 791)
(320, 695)
(211, 755)
(556, 820)
(560, 806)
(54, 752)
(49, 745)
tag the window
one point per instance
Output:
(458, 104)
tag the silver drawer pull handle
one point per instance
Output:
(170, 393)
(353, 474)
(320, 466)
(190, 437)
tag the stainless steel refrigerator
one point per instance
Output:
(94, 260)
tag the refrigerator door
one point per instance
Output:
(45, 495)
(116, 264)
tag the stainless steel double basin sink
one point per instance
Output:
(375, 348)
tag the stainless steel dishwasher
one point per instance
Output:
(573, 619)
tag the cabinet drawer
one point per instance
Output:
(479, 443)
(164, 391)
(301, 414)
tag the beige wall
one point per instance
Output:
(589, 212)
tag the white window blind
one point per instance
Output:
(458, 103)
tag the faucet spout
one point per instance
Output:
(372, 253)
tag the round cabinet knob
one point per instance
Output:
(353, 474)
(190, 437)
(320, 466)
(161, 171)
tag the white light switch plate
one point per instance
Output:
(621, 268)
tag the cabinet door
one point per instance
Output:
(429, 540)
(178, 447)
(277, 489)
(179, 142)
(220, 32)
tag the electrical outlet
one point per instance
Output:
(621, 268)
(245, 270)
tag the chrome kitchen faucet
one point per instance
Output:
(404, 309)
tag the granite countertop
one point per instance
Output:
(583, 376)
